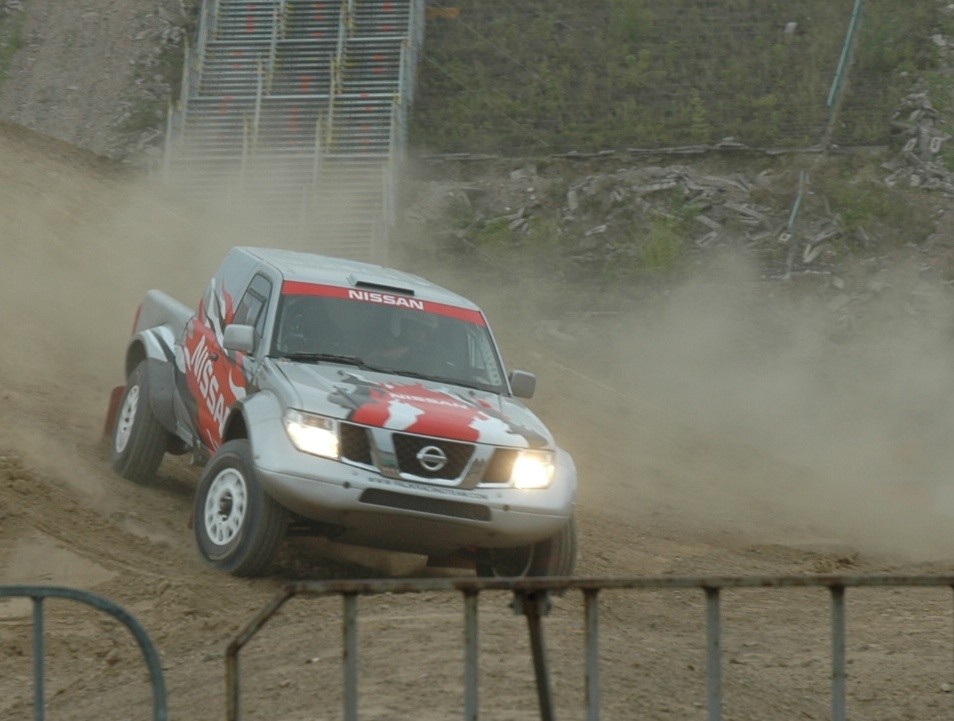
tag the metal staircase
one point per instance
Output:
(294, 112)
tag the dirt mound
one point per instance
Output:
(674, 481)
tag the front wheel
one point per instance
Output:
(238, 527)
(554, 556)
(139, 439)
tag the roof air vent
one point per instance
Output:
(367, 285)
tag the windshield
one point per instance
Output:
(388, 333)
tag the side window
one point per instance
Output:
(251, 308)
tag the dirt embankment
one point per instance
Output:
(96, 73)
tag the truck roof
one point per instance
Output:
(307, 267)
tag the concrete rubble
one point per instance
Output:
(917, 127)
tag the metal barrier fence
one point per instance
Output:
(531, 598)
(38, 594)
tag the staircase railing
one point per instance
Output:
(194, 59)
(246, 149)
(317, 154)
(332, 119)
(279, 19)
(345, 27)
(415, 38)
(257, 117)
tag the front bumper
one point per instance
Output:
(408, 515)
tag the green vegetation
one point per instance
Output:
(865, 203)
(146, 113)
(664, 245)
(11, 31)
(893, 47)
(494, 234)
(557, 75)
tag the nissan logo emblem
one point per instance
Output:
(431, 458)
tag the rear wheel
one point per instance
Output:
(139, 439)
(553, 556)
(238, 527)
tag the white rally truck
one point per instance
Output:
(347, 400)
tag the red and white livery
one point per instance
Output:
(349, 400)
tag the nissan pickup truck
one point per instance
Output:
(347, 400)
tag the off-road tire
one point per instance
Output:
(553, 556)
(239, 528)
(139, 440)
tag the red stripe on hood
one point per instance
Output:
(432, 413)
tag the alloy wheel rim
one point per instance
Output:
(226, 507)
(127, 418)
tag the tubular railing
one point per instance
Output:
(39, 594)
(408, 59)
(167, 148)
(257, 118)
(402, 99)
(331, 128)
(389, 176)
(279, 19)
(214, 27)
(246, 149)
(387, 215)
(345, 24)
(207, 26)
(532, 599)
(415, 37)
(317, 155)
(194, 59)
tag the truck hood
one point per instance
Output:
(414, 406)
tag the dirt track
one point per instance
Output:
(691, 458)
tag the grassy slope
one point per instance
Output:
(555, 75)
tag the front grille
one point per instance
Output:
(437, 506)
(408, 448)
(355, 445)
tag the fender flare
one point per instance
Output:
(251, 412)
(156, 347)
(566, 472)
(157, 343)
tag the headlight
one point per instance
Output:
(532, 469)
(312, 434)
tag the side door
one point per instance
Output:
(217, 378)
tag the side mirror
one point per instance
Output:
(523, 384)
(239, 338)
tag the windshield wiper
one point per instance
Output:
(327, 357)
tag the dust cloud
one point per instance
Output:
(730, 403)
(81, 241)
(727, 405)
